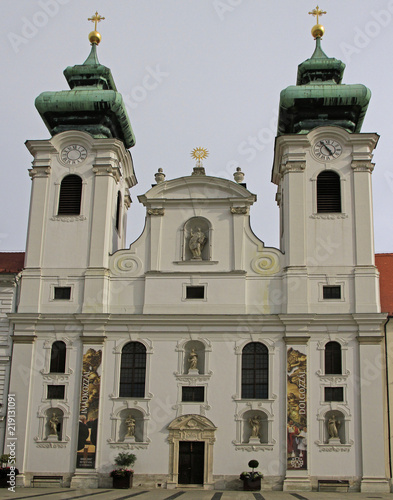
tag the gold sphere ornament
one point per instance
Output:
(317, 31)
(95, 37)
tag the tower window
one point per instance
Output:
(328, 192)
(194, 394)
(56, 392)
(334, 394)
(62, 292)
(332, 292)
(58, 357)
(195, 292)
(70, 195)
(133, 370)
(118, 211)
(255, 370)
(333, 364)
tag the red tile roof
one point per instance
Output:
(384, 263)
(11, 262)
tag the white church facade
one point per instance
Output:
(199, 348)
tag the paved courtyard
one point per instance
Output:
(181, 494)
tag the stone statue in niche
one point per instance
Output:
(53, 423)
(196, 243)
(193, 362)
(255, 423)
(130, 423)
(333, 427)
(193, 359)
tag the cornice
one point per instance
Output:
(106, 170)
(362, 166)
(40, 170)
(23, 339)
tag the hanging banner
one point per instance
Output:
(88, 411)
(297, 407)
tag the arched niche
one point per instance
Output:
(195, 346)
(263, 427)
(54, 416)
(340, 425)
(195, 226)
(137, 416)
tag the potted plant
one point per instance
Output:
(251, 479)
(6, 472)
(122, 477)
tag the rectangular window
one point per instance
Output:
(193, 394)
(62, 292)
(334, 394)
(195, 292)
(332, 292)
(56, 392)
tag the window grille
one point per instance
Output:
(255, 371)
(133, 370)
(328, 192)
(70, 195)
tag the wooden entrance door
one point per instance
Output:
(191, 462)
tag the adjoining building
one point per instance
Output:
(199, 347)
(11, 265)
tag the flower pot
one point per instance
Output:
(121, 482)
(251, 484)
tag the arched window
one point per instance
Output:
(333, 365)
(70, 195)
(58, 357)
(118, 211)
(328, 192)
(255, 371)
(133, 370)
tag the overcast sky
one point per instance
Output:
(216, 71)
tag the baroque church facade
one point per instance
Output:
(198, 348)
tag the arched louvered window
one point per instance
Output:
(133, 370)
(58, 357)
(255, 371)
(70, 195)
(333, 365)
(118, 211)
(328, 192)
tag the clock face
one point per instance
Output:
(73, 154)
(327, 149)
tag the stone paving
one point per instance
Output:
(181, 494)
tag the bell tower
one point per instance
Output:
(322, 169)
(81, 178)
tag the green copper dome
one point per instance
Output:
(92, 105)
(319, 97)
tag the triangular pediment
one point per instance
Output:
(191, 422)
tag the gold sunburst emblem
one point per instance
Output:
(199, 153)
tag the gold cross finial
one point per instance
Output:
(96, 19)
(317, 12)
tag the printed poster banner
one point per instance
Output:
(88, 412)
(297, 408)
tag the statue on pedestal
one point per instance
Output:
(196, 243)
(333, 427)
(130, 423)
(255, 423)
(193, 360)
(53, 421)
